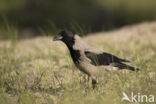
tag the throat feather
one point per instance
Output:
(75, 54)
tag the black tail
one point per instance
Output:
(124, 60)
(124, 66)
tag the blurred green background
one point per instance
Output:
(33, 17)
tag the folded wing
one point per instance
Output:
(103, 58)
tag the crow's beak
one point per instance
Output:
(57, 37)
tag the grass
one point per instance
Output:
(40, 71)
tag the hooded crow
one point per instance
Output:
(87, 58)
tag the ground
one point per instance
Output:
(40, 71)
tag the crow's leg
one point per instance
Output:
(94, 82)
(88, 77)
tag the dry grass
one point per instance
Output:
(40, 71)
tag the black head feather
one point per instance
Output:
(67, 33)
(66, 36)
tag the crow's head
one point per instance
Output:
(67, 36)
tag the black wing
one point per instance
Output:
(103, 58)
(124, 66)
